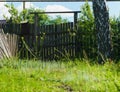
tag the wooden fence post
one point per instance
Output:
(36, 22)
(75, 29)
(75, 20)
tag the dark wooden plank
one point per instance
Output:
(44, 49)
(33, 41)
(73, 41)
(38, 42)
(51, 41)
(53, 48)
(29, 41)
(63, 38)
(58, 41)
(69, 39)
(75, 12)
(47, 42)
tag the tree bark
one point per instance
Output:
(102, 24)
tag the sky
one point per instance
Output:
(114, 7)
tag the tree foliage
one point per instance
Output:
(115, 34)
(14, 14)
(86, 36)
(86, 13)
(58, 20)
(25, 15)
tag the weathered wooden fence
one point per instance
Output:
(8, 46)
(48, 42)
(52, 42)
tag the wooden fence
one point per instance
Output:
(52, 42)
(47, 42)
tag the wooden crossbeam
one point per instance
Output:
(56, 12)
(48, 0)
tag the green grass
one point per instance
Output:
(71, 76)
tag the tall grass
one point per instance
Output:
(63, 76)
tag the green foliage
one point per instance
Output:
(24, 15)
(58, 20)
(86, 13)
(115, 36)
(17, 17)
(70, 76)
(14, 14)
(86, 35)
(42, 18)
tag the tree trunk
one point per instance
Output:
(103, 30)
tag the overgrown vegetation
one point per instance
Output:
(62, 76)
(87, 34)
(25, 15)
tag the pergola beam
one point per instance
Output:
(49, 0)
(55, 12)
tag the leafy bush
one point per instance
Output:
(115, 34)
(87, 34)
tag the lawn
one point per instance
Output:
(61, 76)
